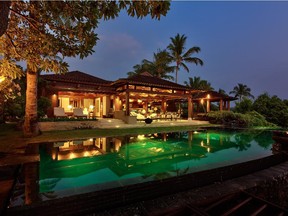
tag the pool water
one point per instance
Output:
(80, 166)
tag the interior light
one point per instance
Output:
(141, 137)
(91, 107)
(2, 78)
(72, 155)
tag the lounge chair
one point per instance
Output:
(78, 113)
(59, 112)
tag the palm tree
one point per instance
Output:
(138, 69)
(241, 91)
(222, 91)
(197, 83)
(159, 67)
(178, 54)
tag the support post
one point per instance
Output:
(190, 108)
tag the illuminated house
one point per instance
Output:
(141, 95)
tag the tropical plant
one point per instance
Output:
(42, 33)
(250, 119)
(241, 91)
(244, 106)
(138, 69)
(177, 52)
(273, 108)
(9, 72)
(158, 67)
(222, 91)
(197, 83)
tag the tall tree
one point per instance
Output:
(199, 84)
(159, 66)
(139, 68)
(177, 49)
(42, 33)
(4, 16)
(241, 91)
(222, 91)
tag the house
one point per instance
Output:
(141, 95)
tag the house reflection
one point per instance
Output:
(148, 157)
(66, 150)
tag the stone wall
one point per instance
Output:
(67, 125)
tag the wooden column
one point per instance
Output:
(127, 112)
(164, 104)
(228, 105)
(221, 105)
(190, 108)
(208, 106)
(117, 103)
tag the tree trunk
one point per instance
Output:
(31, 127)
(4, 16)
(176, 75)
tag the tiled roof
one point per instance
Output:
(75, 77)
(147, 80)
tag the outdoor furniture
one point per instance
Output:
(59, 112)
(78, 113)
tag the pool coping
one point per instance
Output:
(116, 197)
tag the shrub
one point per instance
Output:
(232, 119)
(43, 105)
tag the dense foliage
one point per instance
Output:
(43, 33)
(233, 119)
(272, 108)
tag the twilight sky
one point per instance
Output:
(241, 42)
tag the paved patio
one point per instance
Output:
(104, 123)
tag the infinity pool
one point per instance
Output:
(80, 166)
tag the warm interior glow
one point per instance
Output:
(141, 137)
(2, 78)
(202, 101)
(72, 155)
(208, 96)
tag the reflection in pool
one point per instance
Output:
(86, 165)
